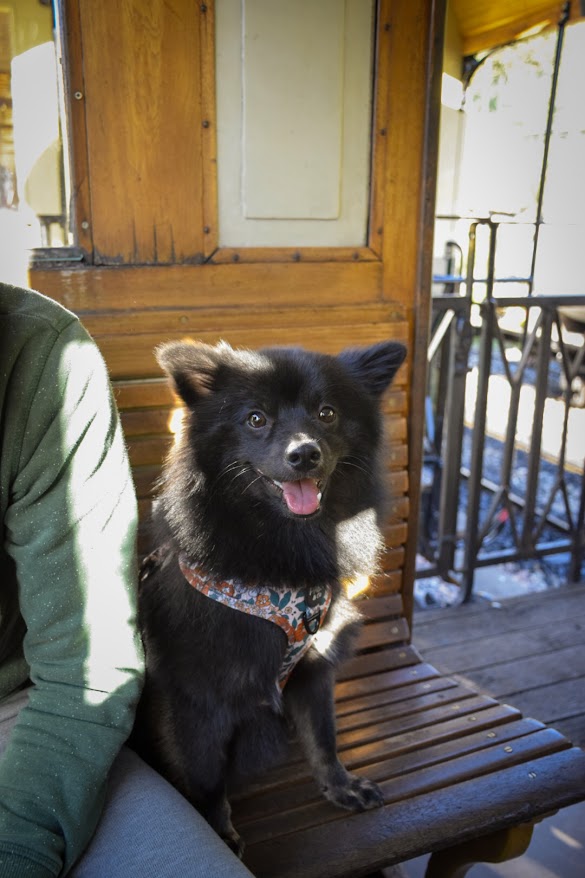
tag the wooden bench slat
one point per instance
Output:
(398, 507)
(394, 695)
(144, 393)
(397, 455)
(385, 583)
(297, 809)
(137, 422)
(413, 735)
(374, 608)
(392, 682)
(145, 478)
(395, 833)
(149, 451)
(393, 559)
(377, 663)
(469, 707)
(383, 633)
(391, 709)
(131, 355)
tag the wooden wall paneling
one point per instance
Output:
(142, 75)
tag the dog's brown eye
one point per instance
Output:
(256, 420)
(327, 414)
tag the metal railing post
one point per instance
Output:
(536, 438)
(480, 417)
(453, 426)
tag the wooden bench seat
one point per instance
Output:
(453, 766)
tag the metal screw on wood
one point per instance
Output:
(85, 225)
(508, 749)
(78, 95)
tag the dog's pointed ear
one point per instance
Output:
(192, 367)
(374, 366)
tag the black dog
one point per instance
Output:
(270, 499)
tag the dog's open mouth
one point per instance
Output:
(302, 497)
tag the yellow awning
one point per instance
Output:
(484, 24)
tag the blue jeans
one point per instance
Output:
(147, 829)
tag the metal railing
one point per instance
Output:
(464, 505)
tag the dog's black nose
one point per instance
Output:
(305, 455)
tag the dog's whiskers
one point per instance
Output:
(236, 469)
(253, 482)
(360, 465)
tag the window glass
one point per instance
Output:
(294, 102)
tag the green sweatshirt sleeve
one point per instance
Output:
(70, 528)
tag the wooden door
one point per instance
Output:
(142, 97)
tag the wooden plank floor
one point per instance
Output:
(528, 652)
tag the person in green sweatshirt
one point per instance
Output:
(73, 800)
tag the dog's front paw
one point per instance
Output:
(355, 793)
(234, 841)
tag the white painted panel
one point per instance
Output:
(294, 84)
(293, 92)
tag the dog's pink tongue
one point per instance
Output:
(301, 497)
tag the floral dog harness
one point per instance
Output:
(298, 612)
